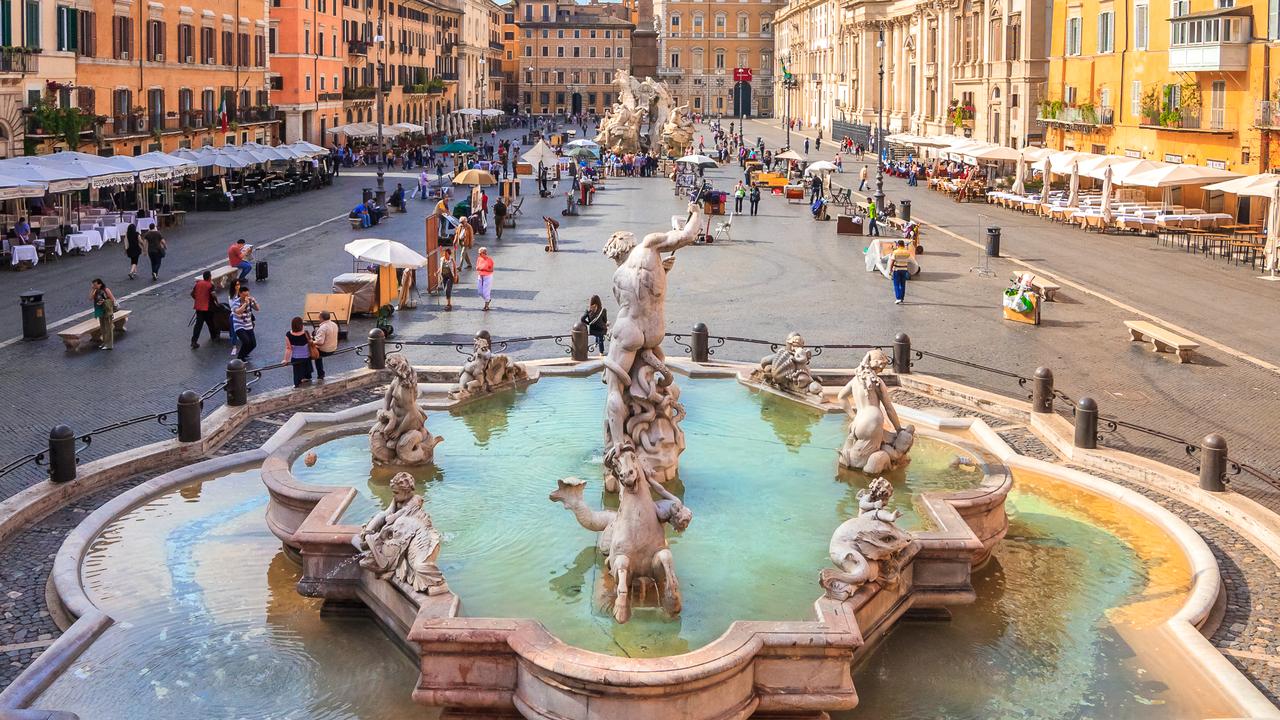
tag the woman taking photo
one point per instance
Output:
(448, 273)
(104, 308)
(596, 318)
(299, 349)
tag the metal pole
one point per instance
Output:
(237, 383)
(189, 405)
(62, 454)
(377, 349)
(1086, 423)
(1213, 463)
(1042, 391)
(578, 341)
(698, 349)
(902, 354)
(879, 196)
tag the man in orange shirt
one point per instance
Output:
(202, 295)
(237, 256)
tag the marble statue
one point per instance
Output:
(486, 372)
(632, 537)
(639, 101)
(661, 104)
(869, 447)
(868, 548)
(678, 131)
(787, 369)
(400, 543)
(619, 129)
(399, 435)
(643, 410)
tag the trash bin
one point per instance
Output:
(905, 213)
(993, 242)
(34, 325)
(366, 194)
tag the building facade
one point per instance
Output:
(37, 69)
(569, 53)
(406, 50)
(307, 60)
(700, 47)
(511, 58)
(479, 45)
(157, 75)
(972, 67)
(1185, 81)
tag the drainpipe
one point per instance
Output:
(1123, 53)
(1264, 137)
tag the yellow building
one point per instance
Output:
(1181, 81)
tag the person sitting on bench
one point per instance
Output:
(361, 211)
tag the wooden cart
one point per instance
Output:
(338, 305)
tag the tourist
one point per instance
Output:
(815, 188)
(298, 348)
(463, 238)
(755, 199)
(484, 272)
(484, 203)
(326, 341)
(156, 246)
(104, 308)
(202, 295)
(132, 249)
(242, 320)
(448, 271)
(900, 264)
(233, 298)
(596, 318)
(237, 257)
(862, 178)
(362, 212)
(499, 216)
(872, 214)
(739, 193)
(806, 146)
(424, 184)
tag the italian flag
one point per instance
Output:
(222, 114)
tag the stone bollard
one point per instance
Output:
(578, 341)
(1042, 391)
(377, 350)
(1213, 463)
(62, 454)
(902, 354)
(189, 406)
(237, 383)
(698, 349)
(1087, 423)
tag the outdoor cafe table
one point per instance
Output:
(84, 241)
(25, 253)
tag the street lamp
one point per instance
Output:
(879, 196)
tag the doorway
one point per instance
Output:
(742, 99)
(577, 103)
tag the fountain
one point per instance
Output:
(399, 435)
(487, 372)
(787, 369)
(869, 447)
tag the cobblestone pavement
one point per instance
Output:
(780, 272)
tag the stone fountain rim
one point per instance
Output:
(92, 621)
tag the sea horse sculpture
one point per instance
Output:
(486, 372)
(788, 369)
(869, 447)
(632, 537)
(868, 548)
(399, 435)
(643, 408)
(400, 543)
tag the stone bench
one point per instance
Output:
(75, 336)
(222, 276)
(1161, 340)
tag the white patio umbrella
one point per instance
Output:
(1073, 194)
(12, 188)
(491, 112)
(1020, 175)
(1175, 175)
(409, 127)
(384, 252)
(584, 143)
(699, 160)
(1261, 185)
(1046, 176)
(365, 129)
(100, 174)
(147, 170)
(1273, 233)
(1120, 172)
(472, 112)
(789, 155)
(214, 158)
(306, 148)
(822, 166)
(179, 166)
(995, 153)
(57, 179)
(1106, 194)
(540, 153)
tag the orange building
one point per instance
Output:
(414, 42)
(156, 74)
(307, 60)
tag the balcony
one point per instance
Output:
(1268, 117)
(359, 92)
(357, 47)
(670, 72)
(415, 89)
(125, 125)
(18, 61)
(261, 114)
(495, 45)
(1209, 57)
(330, 97)
(449, 77)
(1081, 117)
(1211, 40)
(1184, 121)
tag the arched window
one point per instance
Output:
(697, 23)
(719, 58)
(721, 22)
(743, 23)
(675, 22)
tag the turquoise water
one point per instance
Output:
(209, 623)
(759, 473)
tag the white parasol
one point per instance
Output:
(1106, 195)
(699, 160)
(1073, 193)
(1273, 233)
(822, 166)
(1020, 176)
(384, 252)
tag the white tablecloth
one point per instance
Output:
(25, 252)
(145, 224)
(81, 241)
(109, 233)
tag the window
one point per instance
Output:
(1218, 105)
(208, 106)
(186, 34)
(528, 51)
(208, 49)
(228, 48)
(699, 63)
(546, 51)
(743, 24)
(1141, 26)
(306, 85)
(32, 18)
(1073, 36)
(155, 108)
(1070, 95)
(260, 50)
(306, 42)
(1104, 98)
(719, 59)
(742, 59)
(1178, 8)
(121, 37)
(86, 43)
(591, 51)
(6, 22)
(577, 51)
(697, 24)
(560, 51)
(619, 51)
(1106, 32)
(1013, 38)
(155, 41)
(1013, 100)
(68, 35)
(675, 60)
(674, 22)
(721, 22)
(993, 43)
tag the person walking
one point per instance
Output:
(132, 249)
(326, 341)
(202, 297)
(448, 271)
(242, 321)
(872, 214)
(237, 257)
(739, 193)
(754, 197)
(463, 237)
(815, 189)
(156, 247)
(104, 308)
(298, 349)
(862, 178)
(806, 146)
(484, 275)
(499, 216)
(900, 264)
(596, 318)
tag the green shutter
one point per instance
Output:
(6, 22)
(33, 24)
(73, 39)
